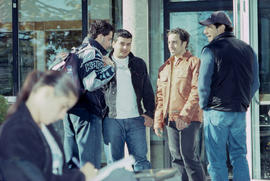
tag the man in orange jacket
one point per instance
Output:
(177, 105)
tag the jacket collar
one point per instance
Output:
(222, 36)
(185, 57)
(22, 109)
(130, 56)
(94, 43)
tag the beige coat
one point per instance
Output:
(177, 92)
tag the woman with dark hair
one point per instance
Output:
(27, 133)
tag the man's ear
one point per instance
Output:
(113, 43)
(49, 91)
(184, 43)
(45, 91)
(99, 38)
(221, 28)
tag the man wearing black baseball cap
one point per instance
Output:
(217, 18)
(228, 79)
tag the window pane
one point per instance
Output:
(264, 46)
(6, 80)
(197, 38)
(46, 27)
(264, 61)
(100, 9)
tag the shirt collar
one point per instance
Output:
(94, 43)
(185, 57)
(223, 35)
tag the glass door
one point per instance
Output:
(262, 156)
(187, 14)
(197, 41)
(253, 26)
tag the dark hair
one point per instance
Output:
(183, 34)
(121, 33)
(227, 27)
(60, 81)
(99, 27)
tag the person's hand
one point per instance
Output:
(89, 171)
(158, 132)
(148, 122)
(107, 61)
(181, 124)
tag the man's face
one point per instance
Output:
(176, 46)
(122, 47)
(211, 31)
(106, 41)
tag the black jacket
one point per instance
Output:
(142, 87)
(21, 138)
(232, 80)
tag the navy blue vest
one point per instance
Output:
(233, 74)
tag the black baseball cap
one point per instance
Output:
(217, 17)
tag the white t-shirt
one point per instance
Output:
(126, 103)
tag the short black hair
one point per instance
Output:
(121, 33)
(227, 27)
(183, 34)
(100, 27)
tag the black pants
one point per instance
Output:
(182, 146)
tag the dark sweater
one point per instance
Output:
(21, 138)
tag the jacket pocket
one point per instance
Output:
(182, 74)
(184, 89)
(163, 79)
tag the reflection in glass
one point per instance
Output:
(60, 41)
(264, 61)
(197, 39)
(26, 54)
(46, 27)
(265, 141)
(34, 11)
(264, 47)
(6, 80)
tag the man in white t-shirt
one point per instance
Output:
(124, 95)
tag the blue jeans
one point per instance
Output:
(183, 149)
(221, 129)
(83, 137)
(132, 131)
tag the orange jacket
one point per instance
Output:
(183, 100)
